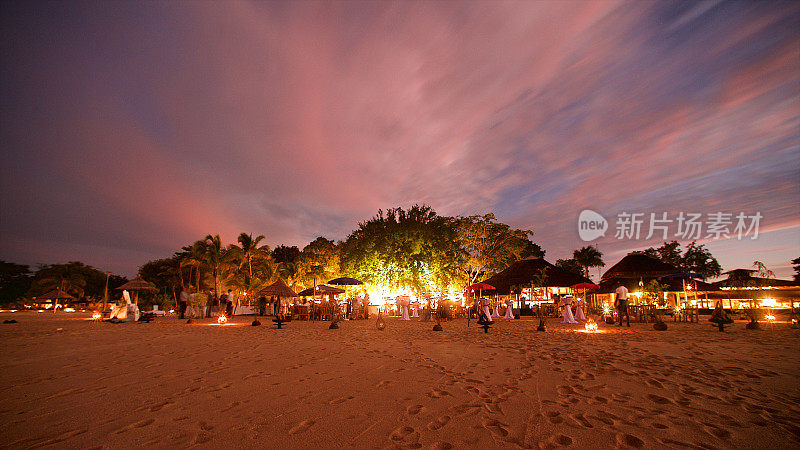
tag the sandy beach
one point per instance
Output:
(69, 382)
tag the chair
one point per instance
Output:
(303, 312)
(326, 312)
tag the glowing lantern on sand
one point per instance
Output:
(221, 320)
(96, 316)
(770, 317)
(591, 326)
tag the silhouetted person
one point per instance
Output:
(183, 302)
(262, 305)
(720, 317)
(621, 303)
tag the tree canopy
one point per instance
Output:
(696, 258)
(413, 249)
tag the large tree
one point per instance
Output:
(669, 253)
(696, 258)
(490, 245)
(318, 262)
(796, 264)
(413, 249)
(570, 265)
(15, 280)
(588, 257)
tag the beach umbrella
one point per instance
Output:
(345, 281)
(584, 287)
(278, 289)
(56, 295)
(480, 287)
(320, 289)
(136, 285)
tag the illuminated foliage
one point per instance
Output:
(413, 249)
(490, 245)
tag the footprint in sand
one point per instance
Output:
(405, 435)
(302, 426)
(566, 390)
(437, 393)
(340, 400)
(438, 423)
(383, 383)
(630, 440)
(414, 409)
(583, 421)
(554, 417)
(562, 440)
(497, 428)
(440, 445)
(659, 399)
(466, 409)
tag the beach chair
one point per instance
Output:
(303, 312)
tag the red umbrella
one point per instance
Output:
(482, 287)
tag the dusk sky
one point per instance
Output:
(131, 129)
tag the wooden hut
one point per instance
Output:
(521, 280)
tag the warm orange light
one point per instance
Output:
(591, 326)
(770, 317)
(96, 316)
(221, 320)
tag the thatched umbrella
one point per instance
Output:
(136, 285)
(56, 295)
(278, 289)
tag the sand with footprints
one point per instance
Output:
(68, 382)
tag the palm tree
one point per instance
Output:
(588, 257)
(192, 257)
(214, 256)
(247, 252)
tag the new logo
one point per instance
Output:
(591, 225)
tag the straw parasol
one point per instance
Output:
(56, 295)
(278, 289)
(137, 284)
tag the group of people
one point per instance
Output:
(187, 303)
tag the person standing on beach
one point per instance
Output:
(621, 303)
(183, 302)
(229, 308)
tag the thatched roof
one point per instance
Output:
(639, 265)
(521, 273)
(56, 294)
(278, 289)
(754, 281)
(321, 290)
(609, 285)
(137, 284)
